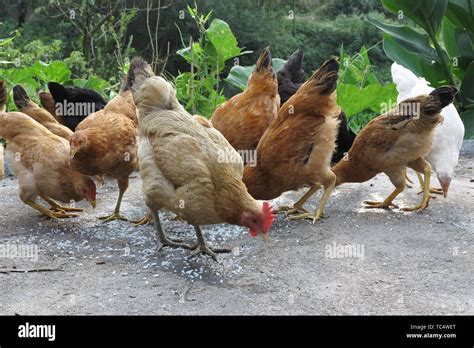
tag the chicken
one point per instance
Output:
(290, 78)
(243, 118)
(105, 143)
(26, 106)
(296, 148)
(74, 104)
(448, 137)
(40, 159)
(396, 140)
(188, 167)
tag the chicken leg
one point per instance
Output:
(420, 165)
(56, 207)
(202, 247)
(435, 190)
(123, 185)
(398, 179)
(329, 182)
(49, 213)
(165, 241)
(298, 206)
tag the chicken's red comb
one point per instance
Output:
(268, 216)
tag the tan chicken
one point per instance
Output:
(27, 106)
(40, 159)
(392, 142)
(105, 143)
(244, 118)
(297, 147)
(188, 167)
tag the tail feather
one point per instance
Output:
(3, 96)
(440, 98)
(138, 72)
(293, 65)
(265, 60)
(325, 77)
(20, 97)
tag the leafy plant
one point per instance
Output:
(199, 89)
(359, 91)
(34, 76)
(439, 48)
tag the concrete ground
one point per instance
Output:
(355, 261)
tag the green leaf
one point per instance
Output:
(468, 119)
(6, 41)
(458, 13)
(354, 100)
(426, 13)
(467, 85)
(410, 39)
(449, 38)
(417, 64)
(463, 43)
(56, 71)
(223, 40)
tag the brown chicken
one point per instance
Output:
(296, 148)
(188, 167)
(396, 140)
(105, 143)
(245, 117)
(25, 105)
(40, 159)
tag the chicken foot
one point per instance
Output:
(319, 212)
(165, 241)
(144, 220)
(49, 213)
(123, 185)
(56, 207)
(435, 190)
(387, 203)
(421, 165)
(298, 206)
(202, 247)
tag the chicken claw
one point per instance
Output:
(382, 205)
(112, 217)
(143, 221)
(61, 215)
(315, 216)
(423, 205)
(290, 210)
(173, 243)
(201, 246)
(212, 252)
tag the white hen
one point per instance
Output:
(449, 134)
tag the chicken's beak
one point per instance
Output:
(265, 236)
(445, 182)
(93, 203)
(73, 152)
